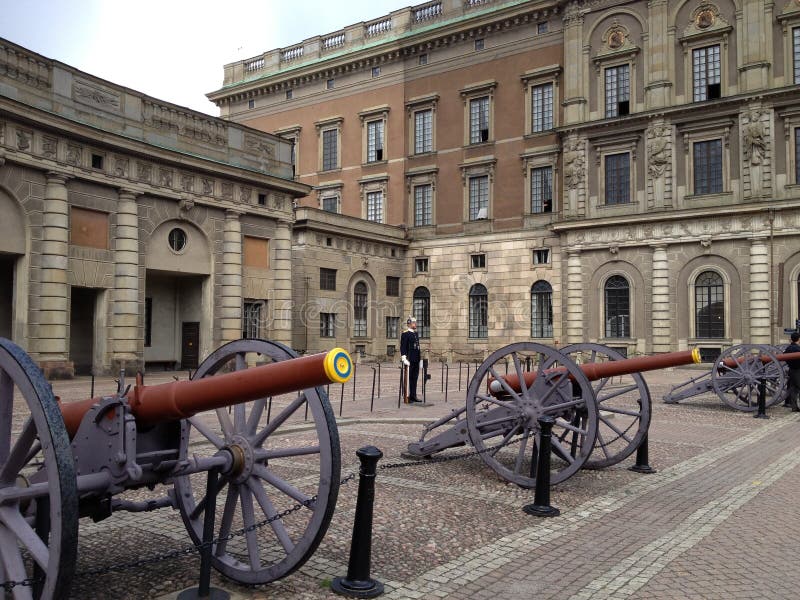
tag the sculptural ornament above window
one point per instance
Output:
(705, 18)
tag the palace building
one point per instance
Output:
(134, 231)
(624, 172)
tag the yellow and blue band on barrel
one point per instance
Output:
(338, 365)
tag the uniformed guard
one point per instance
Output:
(410, 355)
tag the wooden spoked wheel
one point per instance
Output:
(623, 403)
(286, 463)
(38, 489)
(508, 423)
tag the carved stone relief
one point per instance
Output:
(208, 186)
(227, 191)
(244, 194)
(187, 183)
(144, 171)
(95, 96)
(755, 149)
(24, 139)
(659, 165)
(121, 166)
(165, 177)
(73, 154)
(49, 147)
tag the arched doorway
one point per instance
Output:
(12, 247)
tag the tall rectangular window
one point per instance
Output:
(618, 178)
(797, 155)
(330, 158)
(327, 279)
(618, 90)
(479, 120)
(423, 131)
(706, 73)
(375, 207)
(327, 325)
(707, 167)
(423, 205)
(542, 107)
(330, 204)
(251, 320)
(392, 286)
(796, 53)
(392, 327)
(479, 197)
(542, 190)
(374, 141)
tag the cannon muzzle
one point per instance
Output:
(613, 368)
(182, 399)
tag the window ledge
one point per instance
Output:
(372, 163)
(611, 206)
(334, 170)
(538, 134)
(479, 144)
(423, 154)
(708, 196)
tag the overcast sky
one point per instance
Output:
(173, 49)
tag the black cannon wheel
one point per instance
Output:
(738, 370)
(504, 427)
(288, 464)
(624, 405)
(38, 489)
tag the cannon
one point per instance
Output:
(600, 402)
(735, 377)
(60, 462)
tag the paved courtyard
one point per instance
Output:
(716, 521)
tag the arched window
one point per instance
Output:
(541, 310)
(478, 311)
(360, 310)
(421, 309)
(709, 305)
(617, 294)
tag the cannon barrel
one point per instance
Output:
(735, 362)
(613, 368)
(181, 399)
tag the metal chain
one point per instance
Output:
(9, 585)
(442, 459)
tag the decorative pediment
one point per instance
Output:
(790, 13)
(705, 20)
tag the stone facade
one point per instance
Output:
(673, 147)
(124, 219)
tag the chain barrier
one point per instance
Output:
(178, 552)
(452, 457)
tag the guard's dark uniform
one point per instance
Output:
(409, 347)
(794, 376)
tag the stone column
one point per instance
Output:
(657, 87)
(231, 301)
(125, 313)
(50, 341)
(759, 291)
(661, 308)
(574, 79)
(282, 291)
(575, 297)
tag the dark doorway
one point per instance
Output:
(6, 294)
(81, 329)
(190, 345)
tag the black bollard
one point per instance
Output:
(355, 370)
(541, 497)
(204, 591)
(372, 397)
(642, 459)
(762, 400)
(358, 583)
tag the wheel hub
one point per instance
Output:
(243, 459)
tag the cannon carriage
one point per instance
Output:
(60, 462)
(598, 398)
(736, 375)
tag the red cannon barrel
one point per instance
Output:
(732, 363)
(612, 368)
(181, 399)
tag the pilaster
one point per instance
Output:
(125, 319)
(661, 306)
(50, 344)
(575, 296)
(759, 291)
(231, 301)
(574, 76)
(282, 291)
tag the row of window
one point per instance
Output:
(709, 314)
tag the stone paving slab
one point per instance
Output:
(724, 493)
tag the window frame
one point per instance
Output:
(543, 200)
(608, 330)
(696, 309)
(370, 185)
(394, 290)
(478, 313)
(427, 210)
(611, 146)
(252, 329)
(625, 198)
(327, 330)
(719, 129)
(472, 92)
(360, 323)
(536, 77)
(483, 167)
(706, 95)
(324, 284)
(536, 312)
(328, 125)
(421, 309)
(371, 117)
(474, 215)
(611, 67)
(421, 104)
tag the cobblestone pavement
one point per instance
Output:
(715, 521)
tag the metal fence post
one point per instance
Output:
(762, 400)
(642, 459)
(541, 498)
